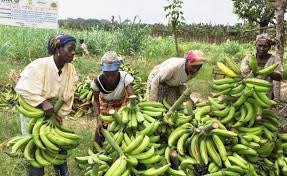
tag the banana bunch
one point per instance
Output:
(83, 99)
(280, 165)
(132, 141)
(230, 63)
(133, 152)
(139, 85)
(27, 110)
(45, 140)
(263, 72)
(42, 145)
(144, 116)
(84, 91)
(8, 97)
(94, 163)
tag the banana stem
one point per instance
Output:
(207, 129)
(133, 101)
(115, 116)
(189, 107)
(59, 103)
(111, 141)
(178, 103)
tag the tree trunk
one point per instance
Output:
(262, 26)
(280, 9)
(175, 39)
(280, 31)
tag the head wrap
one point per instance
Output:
(58, 41)
(194, 57)
(111, 61)
(265, 36)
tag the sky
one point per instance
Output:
(149, 11)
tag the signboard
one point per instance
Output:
(32, 13)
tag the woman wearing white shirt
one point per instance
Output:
(112, 87)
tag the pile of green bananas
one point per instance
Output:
(84, 91)
(45, 140)
(233, 133)
(83, 99)
(8, 97)
(133, 142)
(144, 114)
(139, 85)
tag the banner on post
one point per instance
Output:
(29, 13)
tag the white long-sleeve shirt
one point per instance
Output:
(172, 72)
(40, 81)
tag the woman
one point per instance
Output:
(112, 87)
(45, 80)
(168, 79)
(265, 59)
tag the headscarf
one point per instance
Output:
(111, 61)
(265, 36)
(58, 41)
(194, 57)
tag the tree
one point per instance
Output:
(175, 16)
(280, 9)
(255, 11)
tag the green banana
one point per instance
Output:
(145, 155)
(40, 159)
(213, 153)
(154, 171)
(135, 143)
(220, 147)
(203, 150)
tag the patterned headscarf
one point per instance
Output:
(194, 57)
(58, 41)
(265, 36)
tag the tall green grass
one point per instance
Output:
(26, 44)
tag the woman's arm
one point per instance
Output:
(129, 89)
(96, 105)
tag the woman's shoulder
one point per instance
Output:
(124, 74)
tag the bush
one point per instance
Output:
(130, 37)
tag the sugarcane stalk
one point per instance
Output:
(178, 103)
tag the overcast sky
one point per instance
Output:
(149, 11)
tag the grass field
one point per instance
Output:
(22, 45)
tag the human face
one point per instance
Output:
(67, 52)
(262, 47)
(111, 76)
(192, 69)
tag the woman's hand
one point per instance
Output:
(98, 136)
(48, 108)
(59, 119)
(276, 76)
